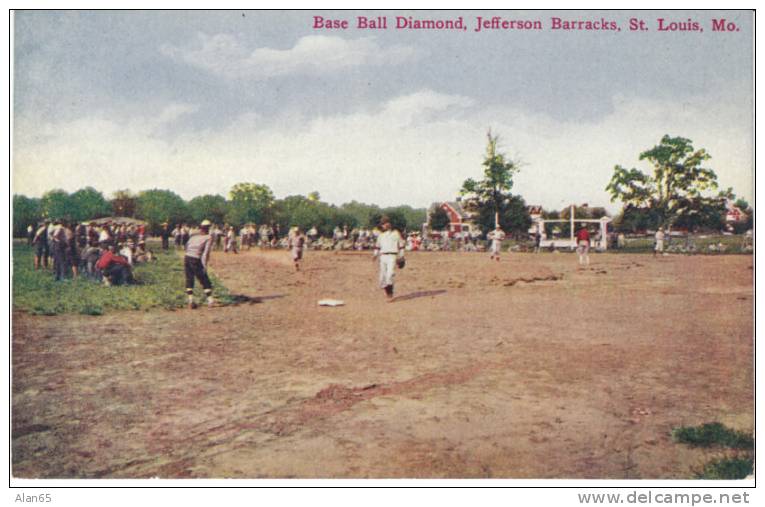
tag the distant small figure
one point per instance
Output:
(165, 232)
(42, 247)
(296, 243)
(230, 244)
(658, 248)
(496, 236)
(583, 246)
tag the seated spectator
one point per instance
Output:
(115, 268)
(141, 254)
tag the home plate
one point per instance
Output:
(331, 302)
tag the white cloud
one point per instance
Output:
(414, 149)
(222, 54)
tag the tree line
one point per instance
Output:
(245, 203)
(679, 193)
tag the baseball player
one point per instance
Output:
(583, 246)
(497, 236)
(658, 248)
(230, 242)
(198, 249)
(296, 242)
(388, 248)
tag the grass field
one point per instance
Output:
(644, 245)
(732, 244)
(160, 285)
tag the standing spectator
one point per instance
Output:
(81, 233)
(583, 246)
(105, 236)
(30, 234)
(658, 248)
(73, 250)
(42, 247)
(230, 240)
(58, 248)
(177, 236)
(313, 234)
(92, 233)
(185, 235)
(165, 233)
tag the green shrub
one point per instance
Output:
(727, 468)
(709, 434)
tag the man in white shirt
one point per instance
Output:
(659, 246)
(388, 248)
(497, 236)
(195, 262)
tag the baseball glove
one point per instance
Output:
(400, 262)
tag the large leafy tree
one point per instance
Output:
(57, 204)
(491, 197)
(676, 186)
(301, 211)
(513, 216)
(439, 219)
(89, 203)
(250, 202)
(123, 203)
(26, 212)
(413, 217)
(157, 206)
(208, 207)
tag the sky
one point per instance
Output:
(198, 101)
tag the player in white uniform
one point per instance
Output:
(296, 242)
(496, 236)
(658, 248)
(389, 247)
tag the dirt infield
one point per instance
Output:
(527, 368)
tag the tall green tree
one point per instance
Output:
(513, 216)
(414, 217)
(396, 217)
(674, 188)
(26, 212)
(156, 206)
(208, 207)
(250, 202)
(492, 193)
(57, 204)
(439, 219)
(89, 203)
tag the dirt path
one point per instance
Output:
(524, 368)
